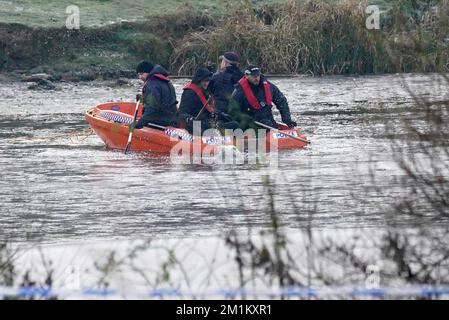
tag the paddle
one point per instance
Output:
(277, 130)
(201, 111)
(131, 128)
(156, 126)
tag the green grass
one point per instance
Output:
(52, 13)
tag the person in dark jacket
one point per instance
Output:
(224, 81)
(253, 99)
(198, 105)
(158, 96)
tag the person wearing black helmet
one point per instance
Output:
(198, 105)
(224, 81)
(158, 96)
(253, 100)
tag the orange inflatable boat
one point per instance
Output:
(111, 121)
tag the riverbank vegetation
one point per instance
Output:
(320, 38)
(284, 37)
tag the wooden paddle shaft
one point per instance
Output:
(130, 137)
(156, 126)
(201, 111)
(287, 134)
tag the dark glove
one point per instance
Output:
(139, 97)
(189, 120)
(138, 125)
(215, 115)
(291, 124)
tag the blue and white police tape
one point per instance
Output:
(425, 291)
(126, 119)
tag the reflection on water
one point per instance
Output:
(58, 185)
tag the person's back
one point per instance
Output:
(224, 82)
(159, 98)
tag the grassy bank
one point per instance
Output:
(96, 49)
(315, 37)
(50, 13)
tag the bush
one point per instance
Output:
(319, 38)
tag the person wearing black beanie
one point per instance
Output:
(158, 96)
(144, 66)
(253, 99)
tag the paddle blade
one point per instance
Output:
(131, 128)
(130, 137)
(128, 145)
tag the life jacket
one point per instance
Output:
(201, 95)
(253, 102)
